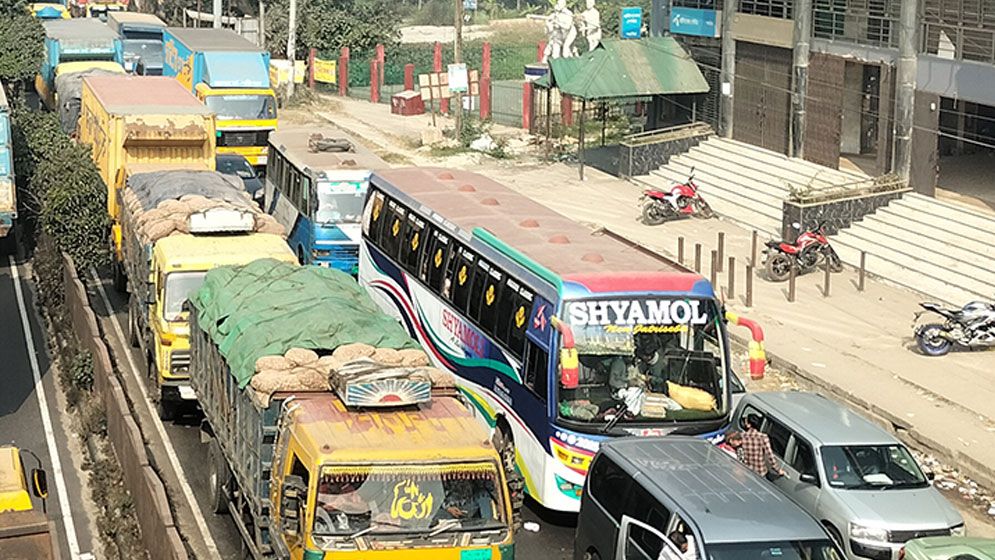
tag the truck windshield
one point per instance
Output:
(408, 499)
(148, 50)
(179, 287)
(646, 360)
(340, 202)
(242, 107)
(871, 467)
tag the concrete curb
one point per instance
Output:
(158, 528)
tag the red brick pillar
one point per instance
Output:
(374, 82)
(409, 76)
(485, 61)
(311, 55)
(485, 98)
(344, 72)
(567, 110)
(437, 67)
(527, 106)
(540, 49)
(381, 58)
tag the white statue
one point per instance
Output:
(561, 33)
(590, 25)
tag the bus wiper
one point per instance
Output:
(618, 416)
(443, 525)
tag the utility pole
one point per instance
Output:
(659, 18)
(458, 58)
(803, 30)
(217, 14)
(727, 77)
(905, 90)
(262, 24)
(291, 46)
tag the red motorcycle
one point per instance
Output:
(810, 249)
(681, 200)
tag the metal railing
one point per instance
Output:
(959, 42)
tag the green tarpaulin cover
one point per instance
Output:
(267, 307)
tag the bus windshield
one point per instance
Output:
(242, 107)
(408, 499)
(340, 202)
(645, 360)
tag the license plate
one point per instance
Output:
(187, 394)
(475, 554)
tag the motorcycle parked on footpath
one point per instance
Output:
(810, 249)
(972, 326)
(682, 199)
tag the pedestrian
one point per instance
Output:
(755, 451)
(731, 442)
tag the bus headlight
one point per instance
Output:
(321, 253)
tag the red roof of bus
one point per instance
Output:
(574, 252)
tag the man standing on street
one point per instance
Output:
(756, 453)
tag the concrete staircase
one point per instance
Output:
(744, 183)
(940, 248)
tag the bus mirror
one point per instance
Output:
(569, 372)
(290, 504)
(39, 481)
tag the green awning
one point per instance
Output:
(627, 68)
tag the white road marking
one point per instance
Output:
(212, 548)
(46, 420)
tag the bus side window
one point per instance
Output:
(306, 208)
(412, 244)
(391, 234)
(477, 290)
(536, 370)
(493, 286)
(518, 316)
(507, 306)
(460, 276)
(437, 258)
(376, 220)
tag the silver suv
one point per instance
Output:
(850, 474)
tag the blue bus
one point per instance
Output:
(559, 337)
(316, 181)
(8, 192)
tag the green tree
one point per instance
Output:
(22, 39)
(329, 25)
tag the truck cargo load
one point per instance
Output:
(175, 226)
(230, 75)
(8, 190)
(330, 434)
(74, 40)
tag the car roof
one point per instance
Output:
(822, 420)
(722, 497)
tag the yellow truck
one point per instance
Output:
(142, 123)
(175, 226)
(329, 437)
(25, 532)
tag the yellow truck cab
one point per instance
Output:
(25, 532)
(48, 10)
(330, 437)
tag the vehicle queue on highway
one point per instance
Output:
(488, 348)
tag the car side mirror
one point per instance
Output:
(39, 484)
(809, 478)
(291, 502)
(930, 475)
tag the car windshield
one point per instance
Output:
(870, 467)
(406, 498)
(242, 107)
(179, 287)
(340, 202)
(236, 166)
(780, 550)
(646, 360)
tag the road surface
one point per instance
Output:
(32, 411)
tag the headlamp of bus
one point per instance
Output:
(321, 253)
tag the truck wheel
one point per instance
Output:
(505, 446)
(132, 322)
(8, 244)
(218, 479)
(120, 279)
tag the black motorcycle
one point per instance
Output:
(971, 326)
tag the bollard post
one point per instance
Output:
(697, 258)
(485, 98)
(374, 83)
(485, 61)
(680, 250)
(753, 250)
(344, 72)
(527, 105)
(714, 275)
(863, 269)
(721, 248)
(749, 285)
(791, 283)
(311, 55)
(409, 76)
(731, 269)
(825, 286)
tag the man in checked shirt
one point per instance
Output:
(755, 452)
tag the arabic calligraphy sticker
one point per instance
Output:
(396, 227)
(414, 242)
(520, 317)
(438, 258)
(462, 275)
(489, 295)
(410, 502)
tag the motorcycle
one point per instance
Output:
(682, 199)
(971, 326)
(810, 249)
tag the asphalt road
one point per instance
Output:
(21, 418)
(553, 541)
